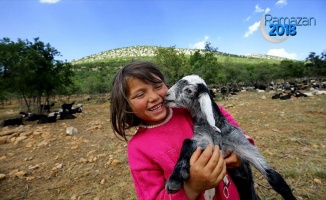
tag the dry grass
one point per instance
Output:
(93, 163)
(291, 135)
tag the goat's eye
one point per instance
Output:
(188, 90)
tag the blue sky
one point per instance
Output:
(78, 28)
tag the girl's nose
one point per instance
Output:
(153, 97)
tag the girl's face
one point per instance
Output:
(146, 100)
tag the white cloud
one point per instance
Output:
(282, 53)
(281, 3)
(267, 10)
(199, 45)
(49, 1)
(252, 29)
(258, 9)
(248, 18)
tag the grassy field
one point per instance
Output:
(291, 135)
(43, 162)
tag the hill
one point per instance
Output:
(139, 52)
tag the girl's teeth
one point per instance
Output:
(157, 107)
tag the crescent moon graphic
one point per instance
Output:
(266, 36)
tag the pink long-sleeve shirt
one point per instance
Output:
(154, 150)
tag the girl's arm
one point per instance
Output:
(207, 170)
(148, 176)
(149, 184)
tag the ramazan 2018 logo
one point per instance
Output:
(283, 26)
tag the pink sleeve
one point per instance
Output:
(232, 121)
(149, 184)
(148, 176)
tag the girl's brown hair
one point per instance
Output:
(122, 117)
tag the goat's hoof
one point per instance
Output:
(173, 186)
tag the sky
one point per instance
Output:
(79, 28)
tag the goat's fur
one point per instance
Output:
(46, 107)
(67, 106)
(211, 127)
(47, 119)
(12, 122)
(66, 115)
(34, 117)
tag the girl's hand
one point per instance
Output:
(207, 169)
(232, 160)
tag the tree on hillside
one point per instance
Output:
(204, 63)
(210, 48)
(264, 73)
(211, 68)
(9, 54)
(172, 63)
(196, 61)
(316, 65)
(290, 69)
(31, 70)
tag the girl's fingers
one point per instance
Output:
(207, 167)
(220, 168)
(205, 156)
(216, 166)
(221, 172)
(232, 161)
(227, 154)
(195, 156)
(215, 159)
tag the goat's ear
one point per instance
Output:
(206, 108)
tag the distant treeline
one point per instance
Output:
(29, 70)
(209, 64)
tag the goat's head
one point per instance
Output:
(191, 93)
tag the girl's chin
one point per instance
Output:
(159, 116)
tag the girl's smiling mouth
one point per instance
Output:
(156, 107)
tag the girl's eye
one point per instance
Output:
(158, 86)
(140, 95)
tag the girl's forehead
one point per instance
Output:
(136, 83)
(146, 80)
(133, 80)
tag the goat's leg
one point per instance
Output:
(252, 155)
(244, 181)
(181, 169)
(279, 185)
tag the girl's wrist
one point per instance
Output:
(190, 192)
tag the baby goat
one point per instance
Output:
(211, 127)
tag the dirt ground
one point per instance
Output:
(43, 162)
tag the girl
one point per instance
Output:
(138, 101)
